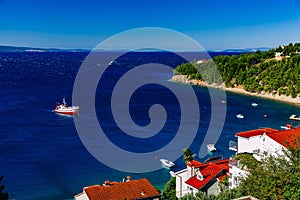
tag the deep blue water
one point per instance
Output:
(41, 154)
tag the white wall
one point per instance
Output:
(181, 187)
(81, 196)
(248, 145)
(214, 189)
(262, 143)
(235, 175)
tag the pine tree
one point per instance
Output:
(187, 155)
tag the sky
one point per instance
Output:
(215, 24)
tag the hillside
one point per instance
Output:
(274, 72)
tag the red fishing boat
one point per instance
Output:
(63, 108)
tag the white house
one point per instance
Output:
(201, 61)
(266, 141)
(261, 143)
(278, 54)
(201, 177)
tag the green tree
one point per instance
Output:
(169, 192)
(187, 155)
(257, 71)
(3, 195)
(224, 195)
(223, 184)
(276, 177)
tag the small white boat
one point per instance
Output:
(287, 127)
(211, 148)
(167, 163)
(240, 116)
(223, 101)
(254, 104)
(294, 117)
(63, 108)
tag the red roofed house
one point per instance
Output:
(265, 142)
(261, 143)
(201, 177)
(129, 190)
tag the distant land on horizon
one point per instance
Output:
(4, 48)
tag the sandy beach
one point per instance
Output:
(240, 90)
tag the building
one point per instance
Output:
(261, 143)
(201, 61)
(278, 54)
(130, 190)
(203, 177)
(266, 142)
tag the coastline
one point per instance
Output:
(239, 90)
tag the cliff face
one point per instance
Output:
(185, 79)
(180, 79)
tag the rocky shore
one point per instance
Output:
(240, 90)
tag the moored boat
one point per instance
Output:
(294, 117)
(167, 163)
(63, 108)
(240, 116)
(287, 127)
(254, 104)
(211, 148)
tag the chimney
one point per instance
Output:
(190, 169)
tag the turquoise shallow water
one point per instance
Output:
(41, 154)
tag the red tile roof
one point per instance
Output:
(282, 136)
(209, 171)
(133, 189)
(252, 133)
(286, 136)
(194, 163)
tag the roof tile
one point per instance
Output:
(209, 171)
(134, 189)
(286, 136)
(252, 133)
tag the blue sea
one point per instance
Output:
(41, 154)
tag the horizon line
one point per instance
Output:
(44, 49)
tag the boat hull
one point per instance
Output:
(167, 163)
(72, 111)
(66, 112)
(211, 148)
(240, 116)
(293, 117)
